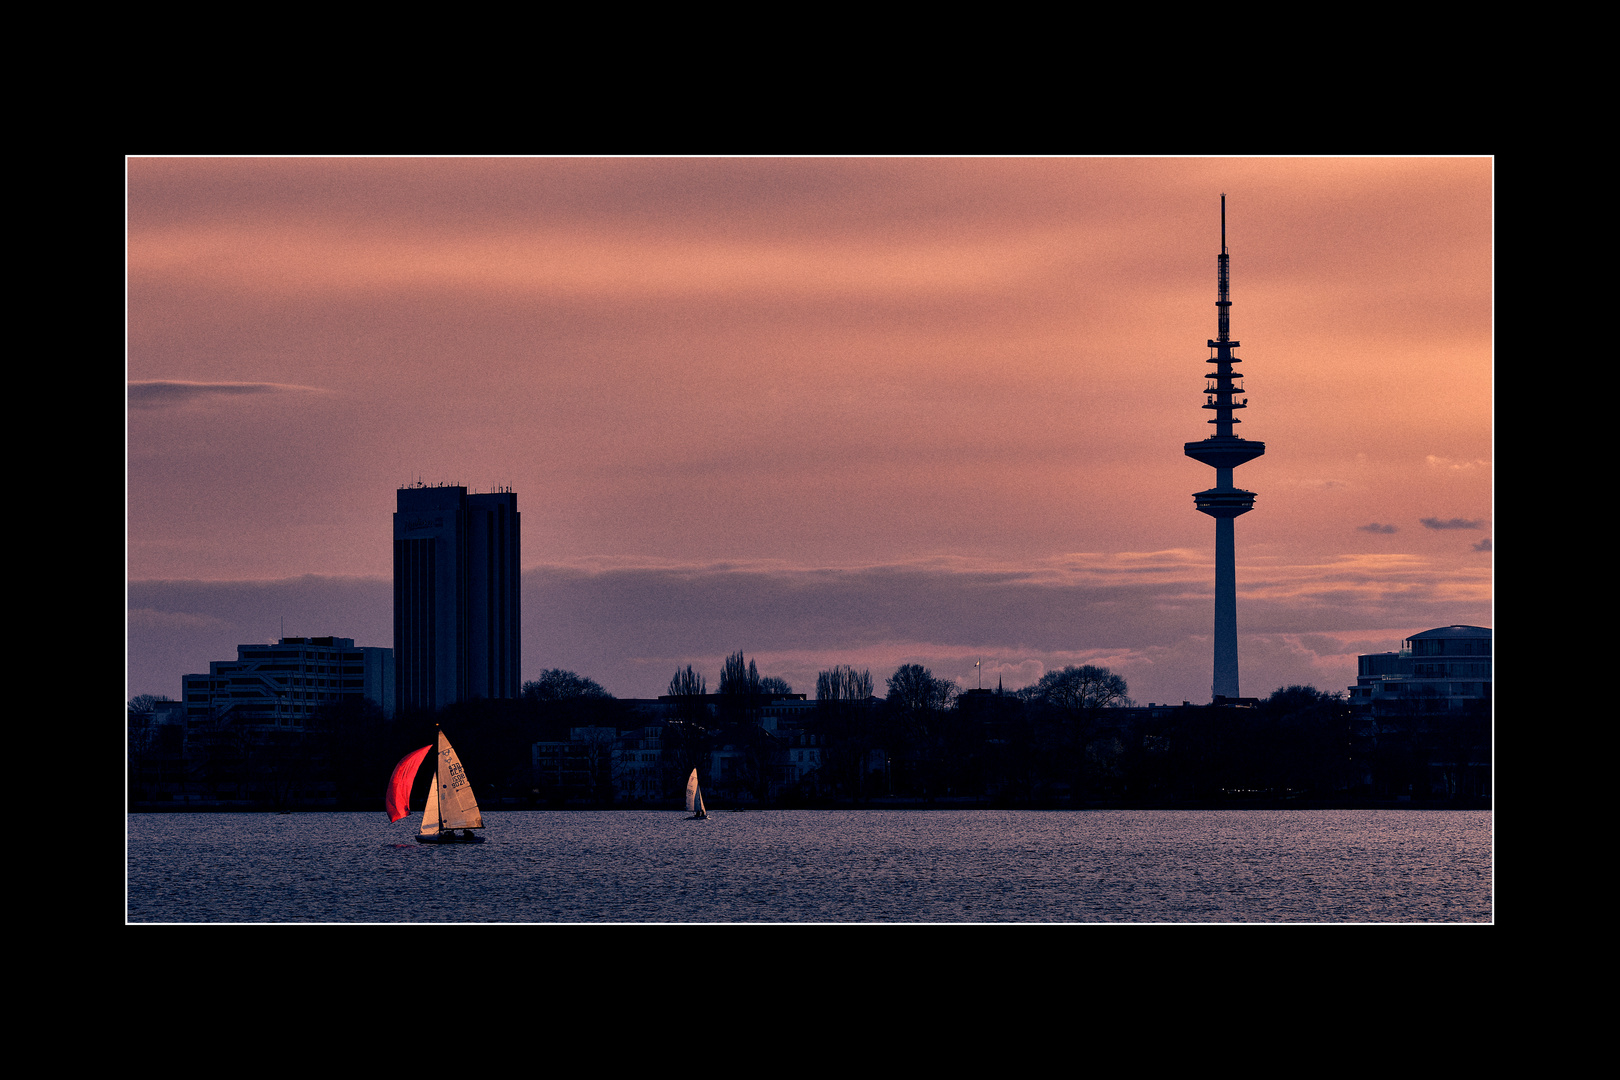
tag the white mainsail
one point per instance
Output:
(694, 801)
(458, 807)
(430, 816)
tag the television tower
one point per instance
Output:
(1224, 452)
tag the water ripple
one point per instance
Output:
(795, 866)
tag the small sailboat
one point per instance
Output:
(694, 798)
(450, 802)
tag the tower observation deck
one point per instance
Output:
(1224, 451)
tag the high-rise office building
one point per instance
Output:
(456, 610)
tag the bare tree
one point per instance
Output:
(916, 704)
(913, 689)
(687, 683)
(142, 743)
(843, 683)
(1080, 689)
(844, 724)
(145, 703)
(739, 677)
(740, 699)
(760, 760)
(686, 739)
(555, 684)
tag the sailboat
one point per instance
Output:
(694, 798)
(450, 802)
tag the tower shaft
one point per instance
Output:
(1225, 683)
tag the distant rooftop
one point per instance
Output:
(1457, 631)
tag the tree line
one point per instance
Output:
(1070, 738)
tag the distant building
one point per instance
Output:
(639, 767)
(280, 685)
(1447, 669)
(638, 764)
(804, 752)
(456, 610)
(582, 769)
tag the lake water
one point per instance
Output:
(797, 866)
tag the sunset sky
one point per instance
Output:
(863, 411)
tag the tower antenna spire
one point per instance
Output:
(1224, 451)
(1223, 286)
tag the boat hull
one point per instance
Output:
(448, 838)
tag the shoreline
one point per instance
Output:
(883, 804)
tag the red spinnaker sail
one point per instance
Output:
(398, 796)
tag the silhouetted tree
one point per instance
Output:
(1080, 689)
(555, 684)
(1302, 741)
(560, 701)
(494, 738)
(759, 758)
(686, 747)
(1299, 740)
(843, 683)
(1461, 745)
(687, 683)
(358, 744)
(739, 691)
(916, 703)
(1027, 755)
(844, 725)
(1075, 697)
(771, 686)
(145, 763)
(913, 689)
(144, 704)
(686, 739)
(739, 676)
